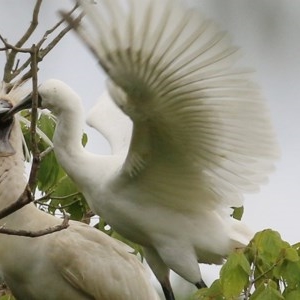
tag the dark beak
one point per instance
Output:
(6, 125)
(26, 103)
(7, 112)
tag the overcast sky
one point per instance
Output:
(268, 31)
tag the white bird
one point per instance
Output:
(79, 262)
(198, 129)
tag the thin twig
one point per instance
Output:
(12, 54)
(48, 196)
(12, 47)
(38, 233)
(11, 72)
(34, 116)
(56, 207)
(33, 24)
(46, 152)
(54, 42)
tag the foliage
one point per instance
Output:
(267, 269)
(58, 192)
(57, 189)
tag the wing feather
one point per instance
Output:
(99, 266)
(173, 72)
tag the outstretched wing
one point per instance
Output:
(196, 116)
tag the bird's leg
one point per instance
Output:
(200, 284)
(161, 271)
(167, 289)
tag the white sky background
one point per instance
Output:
(268, 31)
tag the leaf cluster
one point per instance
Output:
(57, 190)
(267, 269)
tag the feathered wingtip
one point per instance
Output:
(178, 68)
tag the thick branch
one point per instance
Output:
(24, 199)
(34, 115)
(12, 47)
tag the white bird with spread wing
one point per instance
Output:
(200, 133)
(77, 263)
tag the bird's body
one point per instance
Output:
(149, 209)
(189, 133)
(79, 262)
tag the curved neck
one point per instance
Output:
(67, 137)
(119, 138)
(70, 153)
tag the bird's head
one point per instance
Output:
(53, 94)
(6, 124)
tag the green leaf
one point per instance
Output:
(214, 292)
(48, 173)
(47, 125)
(238, 212)
(290, 272)
(7, 297)
(291, 254)
(234, 275)
(292, 295)
(267, 292)
(84, 139)
(267, 249)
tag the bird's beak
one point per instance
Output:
(6, 124)
(7, 112)
(26, 103)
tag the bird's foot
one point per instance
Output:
(201, 284)
(168, 293)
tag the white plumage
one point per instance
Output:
(200, 133)
(77, 263)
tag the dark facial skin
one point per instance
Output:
(6, 124)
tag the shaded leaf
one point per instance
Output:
(267, 292)
(234, 275)
(212, 293)
(238, 212)
(291, 254)
(292, 295)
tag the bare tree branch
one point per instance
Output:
(11, 72)
(51, 45)
(12, 47)
(25, 198)
(38, 233)
(34, 116)
(33, 24)
(49, 195)
(8, 69)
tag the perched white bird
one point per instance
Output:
(79, 262)
(189, 133)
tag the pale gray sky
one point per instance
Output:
(268, 33)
